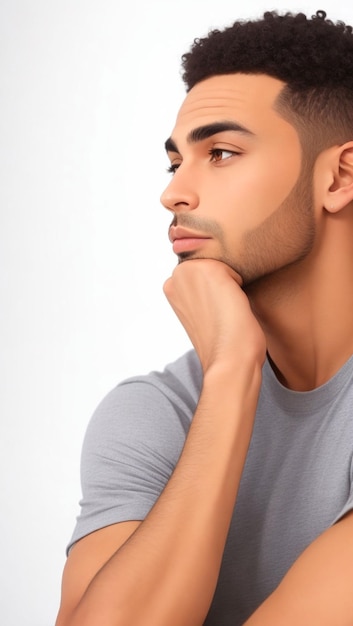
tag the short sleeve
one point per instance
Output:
(131, 446)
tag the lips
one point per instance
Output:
(177, 232)
(186, 241)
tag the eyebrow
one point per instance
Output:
(204, 132)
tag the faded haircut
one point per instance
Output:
(313, 56)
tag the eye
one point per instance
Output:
(173, 168)
(220, 154)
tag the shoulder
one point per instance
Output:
(177, 386)
(148, 412)
(133, 442)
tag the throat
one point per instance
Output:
(309, 338)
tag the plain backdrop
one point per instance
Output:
(89, 91)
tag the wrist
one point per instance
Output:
(231, 377)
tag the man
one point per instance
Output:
(219, 491)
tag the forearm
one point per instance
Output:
(167, 571)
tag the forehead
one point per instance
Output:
(247, 99)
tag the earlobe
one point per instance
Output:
(340, 191)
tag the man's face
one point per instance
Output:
(237, 184)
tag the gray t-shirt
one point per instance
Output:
(297, 480)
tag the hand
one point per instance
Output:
(207, 298)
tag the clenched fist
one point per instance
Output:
(206, 296)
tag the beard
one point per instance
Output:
(284, 239)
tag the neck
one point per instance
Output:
(306, 312)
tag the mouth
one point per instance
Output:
(184, 240)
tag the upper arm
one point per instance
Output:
(130, 449)
(131, 446)
(86, 558)
(318, 588)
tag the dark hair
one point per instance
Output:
(312, 56)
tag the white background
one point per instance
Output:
(89, 90)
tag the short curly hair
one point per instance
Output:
(312, 56)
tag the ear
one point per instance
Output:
(340, 190)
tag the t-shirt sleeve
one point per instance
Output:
(130, 449)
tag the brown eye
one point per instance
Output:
(219, 154)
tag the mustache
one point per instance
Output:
(201, 225)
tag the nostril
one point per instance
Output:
(179, 196)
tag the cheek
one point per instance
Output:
(254, 188)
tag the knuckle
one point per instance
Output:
(167, 287)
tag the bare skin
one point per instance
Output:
(262, 239)
(159, 555)
(235, 299)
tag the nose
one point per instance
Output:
(180, 195)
